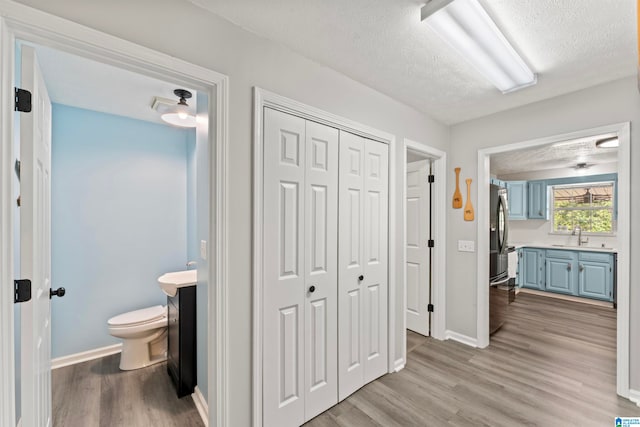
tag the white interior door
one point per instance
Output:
(376, 249)
(300, 320)
(35, 244)
(417, 266)
(321, 269)
(362, 262)
(284, 278)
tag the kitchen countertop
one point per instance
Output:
(564, 247)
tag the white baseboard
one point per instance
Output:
(451, 335)
(19, 422)
(398, 365)
(634, 396)
(201, 405)
(96, 353)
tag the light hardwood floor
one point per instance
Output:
(98, 394)
(552, 364)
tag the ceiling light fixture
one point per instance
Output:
(469, 30)
(611, 142)
(179, 115)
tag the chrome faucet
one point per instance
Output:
(579, 230)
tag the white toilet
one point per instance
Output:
(144, 336)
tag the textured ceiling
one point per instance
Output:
(83, 83)
(554, 156)
(571, 44)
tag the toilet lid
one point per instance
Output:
(137, 317)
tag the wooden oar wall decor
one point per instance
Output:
(469, 213)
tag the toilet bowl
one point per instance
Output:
(144, 336)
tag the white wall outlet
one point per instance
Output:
(203, 249)
(466, 246)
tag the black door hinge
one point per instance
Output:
(22, 290)
(432, 179)
(431, 243)
(430, 308)
(22, 100)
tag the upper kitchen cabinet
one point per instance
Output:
(517, 199)
(537, 192)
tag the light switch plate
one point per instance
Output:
(203, 249)
(466, 246)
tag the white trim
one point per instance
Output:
(7, 362)
(84, 356)
(261, 99)
(201, 405)
(634, 396)
(398, 367)
(464, 339)
(623, 130)
(19, 422)
(39, 27)
(439, 212)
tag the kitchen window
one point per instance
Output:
(589, 206)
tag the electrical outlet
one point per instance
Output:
(203, 249)
(466, 246)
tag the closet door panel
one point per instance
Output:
(284, 269)
(375, 285)
(350, 264)
(321, 267)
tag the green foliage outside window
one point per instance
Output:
(588, 207)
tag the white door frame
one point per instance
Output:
(261, 99)
(624, 222)
(21, 22)
(439, 218)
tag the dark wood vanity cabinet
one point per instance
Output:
(181, 353)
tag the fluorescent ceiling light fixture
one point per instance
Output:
(469, 30)
(611, 142)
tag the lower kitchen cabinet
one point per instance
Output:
(532, 274)
(586, 274)
(560, 269)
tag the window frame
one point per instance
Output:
(552, 209)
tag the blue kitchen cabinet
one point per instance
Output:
(537, 200)
(560, 267)
(498, 182)
(532, 273)
(517, 199)
(519, 268)
(595, 278)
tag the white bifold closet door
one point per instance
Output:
(300, 373)
(362, 262)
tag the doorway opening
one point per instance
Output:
(91, 44)
(570, 224)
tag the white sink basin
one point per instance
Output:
(170, 282)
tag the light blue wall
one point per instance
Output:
(202, 208)
(119, 220)
(192, 230)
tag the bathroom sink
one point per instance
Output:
(170, 282)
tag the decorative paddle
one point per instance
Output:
(468, 208)
(457, 195)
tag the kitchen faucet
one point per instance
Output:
(579, 230)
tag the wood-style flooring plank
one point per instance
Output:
(553, 363)
(98, 394)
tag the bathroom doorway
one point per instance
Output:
(212, 87)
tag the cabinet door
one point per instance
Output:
(362, 262)
(321, 269)
(594, 280)
(537, 193)
(519, 268)
(517, 199)
(284, 275)
(560, 275)
(531, 274)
